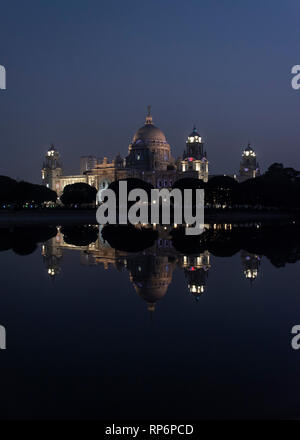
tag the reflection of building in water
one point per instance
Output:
(196, 272)
(150, 271)
(151, 276)
(52, 254)
(250, 264)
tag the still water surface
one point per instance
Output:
(97, 333)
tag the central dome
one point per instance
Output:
(149, 133)
(149, 149)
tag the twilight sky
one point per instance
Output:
(81, 73)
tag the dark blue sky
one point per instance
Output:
(81, 73)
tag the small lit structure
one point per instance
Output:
(194, 157)
(196, 269)
(249, 167)
(52, 168)
(250, 264)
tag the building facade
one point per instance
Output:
(149, 158)
(88, 163)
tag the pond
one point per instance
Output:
(166, 332)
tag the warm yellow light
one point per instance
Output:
(196, 289)
(251, 274)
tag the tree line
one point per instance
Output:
(277, 188)
(21, 193)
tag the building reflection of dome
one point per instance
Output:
(151, 290)
(150, 276)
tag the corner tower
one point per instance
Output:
(51, 168)
(194, 157)
(249, 167)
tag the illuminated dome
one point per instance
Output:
(149, 149)
(149, 133)
(151, 291)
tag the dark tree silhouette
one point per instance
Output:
(189, 183)
(78, 193)
(132, 183)
(221, 190)
(278, 187)
(80, 235)
(29, 192)
(129, 238)
(12, 191)
(23, 240)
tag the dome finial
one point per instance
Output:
(149, 117)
